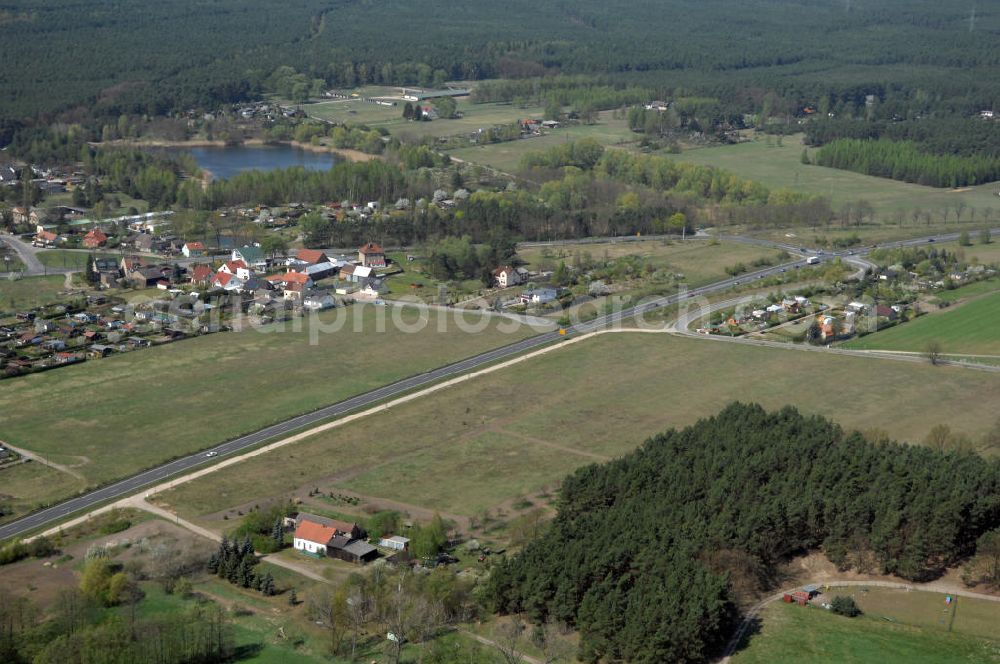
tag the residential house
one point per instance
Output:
(319, 536)
(356, 274)
(20, 215)
(318, 301)
(371, 255)
(236, 268)
(659, 106)
(539, 296)
(200, 274)
(131, 263)
(94, 238)
(193, 249)
(252, 256)
(146, 276)
(46, 239)
(857, 307)
(98, 351)
(143, 242)
(226, 280)
(311, 256)
(883, 311)
(507, 276)
(428, 113)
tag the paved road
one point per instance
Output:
(26, 253)
(49, 516)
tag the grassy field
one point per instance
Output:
(897, 626)
(62, 258)
(113, 417)
(507, 156)
(518, 431)
(781, 168)
(966, 329)
(699, 261)
(30, 291)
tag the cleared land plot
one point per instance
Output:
(897, 627)
(112, 417)
(522, 429)
(74, 260)
(507, 156)
(969, 328)
(30, 291)
(781, 168)
(699, 261)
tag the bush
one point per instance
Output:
(845, 606)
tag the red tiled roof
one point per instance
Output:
(371, 248)
(315, 532)
(311, 256)
(195, 245)
(48, 236)
(222, 278)
(96, 234)
(201, 272)
(232, 266)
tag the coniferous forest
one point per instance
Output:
(650, 554)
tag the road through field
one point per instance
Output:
(51, 515)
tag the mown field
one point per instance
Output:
(523, 428)
(700, 261)
(30, 291)
(897, 626)
(965, 329)
(75, 260)
(782, 168)
(105, 419)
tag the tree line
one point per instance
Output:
(649, 555)
(904, 160)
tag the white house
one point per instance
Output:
(237, 268)
(507, 276)
(539, 296)
(193, 249)
(313, 538)
(252, 256)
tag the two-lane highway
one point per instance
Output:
(51, 515)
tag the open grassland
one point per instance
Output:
(522, 429)
(507, 156)
(700, 261)
(966, 329)
(985, 254)
(782, 168)
(30, 291)
(112, 417)
(897, 626)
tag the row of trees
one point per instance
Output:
(237, 562)
(904, 160)
(696, 516)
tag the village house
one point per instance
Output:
(46, 239)
(507, 276)
(252, 256)
(200, 274)
(311, 257)
(193, 249)
(321, 537)
(539, 296)
(356, 274)
(371, 255)
(94, 238)
(236, 268)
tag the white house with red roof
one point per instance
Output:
(236, 268)
(193, 249)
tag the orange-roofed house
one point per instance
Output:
(94, 239)
(312, 537)
(311, 256)
(193, 249)
(371, 255)
(237, 268)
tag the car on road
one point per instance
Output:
(212, 454)
(736, 283)
(784, 269)
(930, 239)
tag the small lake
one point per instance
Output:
(225, 162)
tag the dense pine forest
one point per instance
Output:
(134, 57)
(650, 554)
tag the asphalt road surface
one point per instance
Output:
(51, 515)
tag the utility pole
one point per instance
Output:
(972, 19)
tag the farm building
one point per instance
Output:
(371, 255)
(395, 542)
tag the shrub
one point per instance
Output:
(845, 606)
